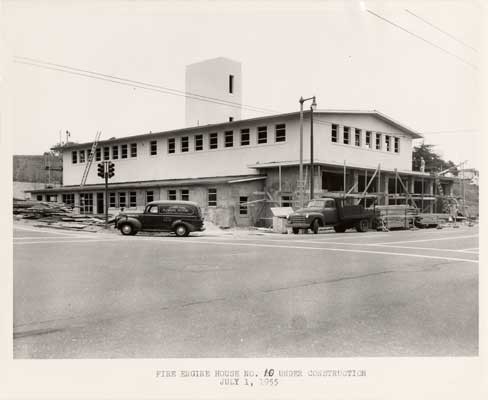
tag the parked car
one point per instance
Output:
(331, 211)
(180, 217)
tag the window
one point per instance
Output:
(69, 199)
(245, 137)
(82, 156)
(334, 136)
(243, 205)
(39, 197)
(132, 199)
(171, 145)
(123, 151)
(212, 197)
(153, 209)
(184, 144)
(231, 83)
(185, 194)
(231, 119)
(397, 145)
(172, 194)
(98, 154)
(229, 138)
(286, 201)
(346, 135)
(153, 145)
(133, 149)
(112, 202)
(115, 152)
(106, 153)
(280, 133)
(368, 139)
(357, 137)
(378, 141)
(329, 204)
(86, 203)
(74, 157)
(262, 134)
(214, 141)
(388, 142)
(149, 196)
(198, 142)
(122, 200)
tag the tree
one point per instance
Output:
(433, 162)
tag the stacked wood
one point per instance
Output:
(396, 216)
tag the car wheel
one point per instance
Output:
(340, 228)
(127, 229)
(362, 225)
(181, 230)
(315, 226)
(296, 230)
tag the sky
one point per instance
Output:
(428, 78)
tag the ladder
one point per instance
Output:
(440, 191)
(90, 159)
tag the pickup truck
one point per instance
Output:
(330, 211)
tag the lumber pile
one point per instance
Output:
(58, 214)
(396, 216)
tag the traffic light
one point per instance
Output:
(111, 169)
(101, 170)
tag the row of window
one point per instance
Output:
(244, 139)
(123, 151)
(104, 153)
(354, 136)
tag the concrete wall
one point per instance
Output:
(211, 78)
(236, 160)
(19, 189)
(31, 168)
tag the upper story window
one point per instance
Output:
(98, 154)
(388, 142)
(231, 83)
(153, 145)
(346, 135)
(262, 134)
(335, 133)
(378, 141)
(368, 139)
(133, 149)
(198, 142)
(280, 133)
(115, 152)
(214, 141)
(184, 144)
(74, 157)
(242, 205)
(82, 156)
(397, 145)
(123, 151)
(357, 137)
(171, 145)
(231, 119)
(229, 138)
(106, 153)
(245, 138)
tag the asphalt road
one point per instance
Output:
(403, 293)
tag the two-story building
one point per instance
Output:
(237, 170)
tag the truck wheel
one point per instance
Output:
(340, 228)
(295, 230)
(362, 226)
(315, 226)
(181, 230)
(127, 229)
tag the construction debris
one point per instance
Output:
(57, 214)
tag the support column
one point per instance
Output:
(355, 175)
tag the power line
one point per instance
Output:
(423, 39)
(115, 79)
(441, 30)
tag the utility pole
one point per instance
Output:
(106, 192)
(311, 153)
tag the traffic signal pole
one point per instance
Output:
(106, 194)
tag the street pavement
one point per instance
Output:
(245, 294)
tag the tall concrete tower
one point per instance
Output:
(219, 78)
